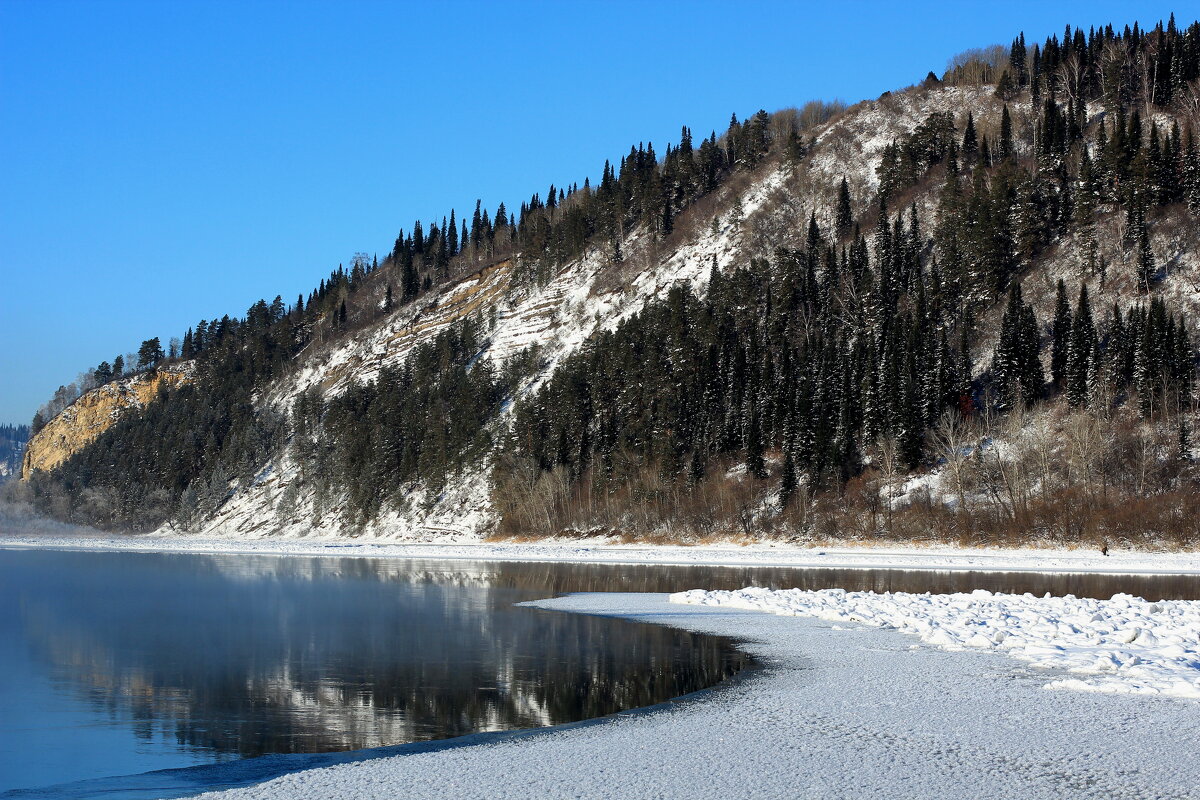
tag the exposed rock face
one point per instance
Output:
(95, 412)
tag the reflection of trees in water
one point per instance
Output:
(549, 578)
(305, 658)
(246, 655)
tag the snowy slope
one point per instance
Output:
(558, 317)
(751, 216)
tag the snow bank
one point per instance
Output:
(1124, 645)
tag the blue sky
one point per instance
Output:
(163, 162)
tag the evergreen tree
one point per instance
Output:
(1081, 351)
(1146, 267)
(150, 353)
(843, 216)
(1006, 135)
(755, 463)
(1084, 210)
(787, 482)
(103, 373)
(1190, 173)
(1062, 336)
(1016, 365)
(1016, 61)
(970, 142)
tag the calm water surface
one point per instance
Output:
(119, 663)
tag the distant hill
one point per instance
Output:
(12, 449)
(965, 311)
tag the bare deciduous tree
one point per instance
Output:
(956, 438)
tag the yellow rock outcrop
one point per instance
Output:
(93, 413)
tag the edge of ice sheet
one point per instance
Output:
(1122, 645)
(835, 713)
(245, 773)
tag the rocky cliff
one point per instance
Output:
(95, 412)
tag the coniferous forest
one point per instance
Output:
(986, 317)
(12, 445)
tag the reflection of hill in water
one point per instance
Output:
(548, 578)
(244, 655)
(252, 655)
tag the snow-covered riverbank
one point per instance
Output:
(607, 552)
(1121, 645)
(848, 713)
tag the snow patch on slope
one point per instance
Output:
(557, 317)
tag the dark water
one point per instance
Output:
(117, 663)
(120, 663)
(566, 577)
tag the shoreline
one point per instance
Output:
(836, 705)
(182, 783)
(890, 557)
(834, 711)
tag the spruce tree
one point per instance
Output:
(1085, 212)
(843, 218)
(755, 463)
(1006, 135)
(1006, 358)
(787, 481)
(1016, 61)
(1032, 376)
(1145, 258)
(985, 153)
(1016, 366)
(1081, 351)
(1062, 336)
(1006, 88)
(1190, 169)
(970, 142)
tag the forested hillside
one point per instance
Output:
(12, 448)
(964, 311)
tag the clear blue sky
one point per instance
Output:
(166, 161)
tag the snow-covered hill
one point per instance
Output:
(766, 210)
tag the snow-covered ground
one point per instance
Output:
(1124, 644)
(1117, 562)
(836, 712)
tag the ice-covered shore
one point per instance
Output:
(603, 551)
(837, 712)
(1124, 644)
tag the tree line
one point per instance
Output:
(805, 371)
